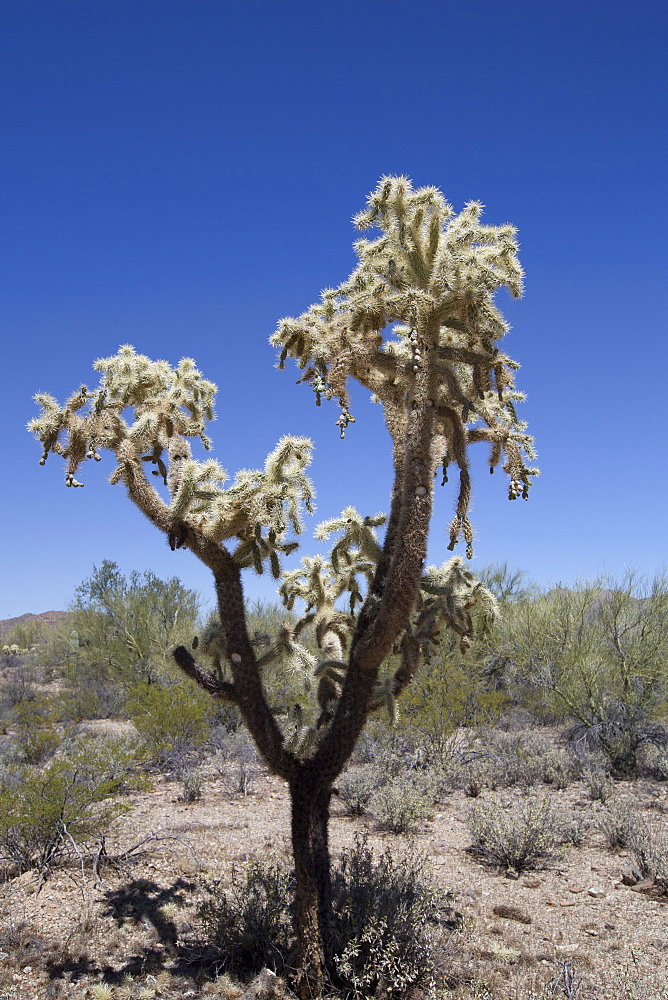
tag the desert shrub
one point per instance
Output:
(356, 787)
(525, 758)
(653, 763)
(386, 908)
(620, 825)
(403, 807)
(37, 735)
(44, 813)
(597, 784)
(594, 654)
(573, 829)
(516, 839)
(237, 760)
(445, 696)
(191, 786)
(247, 917)
(650, 848)
(386, 912)
(172, 722)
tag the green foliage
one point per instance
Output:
(522, 838)
(45, 813)
(595, 654)
(447, 694)
(126, 627)
(171, 721)
(37, 735)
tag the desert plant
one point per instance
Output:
(172, 722)
(191, 784)
(620, 824)
(417, 326)
(237, 761)
(37, 734)
(247, 917)
(404, 807)
(46, 813)
(387, 910)
(517, 839)
(573, 829)
(594, 654)
(356, 787)
(597, 783)
(649, 844)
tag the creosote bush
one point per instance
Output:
(45, 813)
(172, 722)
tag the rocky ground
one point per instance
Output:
(577, 925)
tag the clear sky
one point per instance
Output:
(179, 174)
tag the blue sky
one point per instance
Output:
(179, 174)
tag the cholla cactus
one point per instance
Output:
(144, 412)
(416, 325)
(427, 282)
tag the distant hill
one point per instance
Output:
(51, 619)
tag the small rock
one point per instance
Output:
(631, 876)
(596, 893)
(646, 883)
(532, 883)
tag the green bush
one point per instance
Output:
(518, 839)
(172, 721)
(44, 813)
(37, 736)
(448, 694)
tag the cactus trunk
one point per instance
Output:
(310, 798)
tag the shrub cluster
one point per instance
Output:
(386, 922)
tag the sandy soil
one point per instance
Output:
(574, 918)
